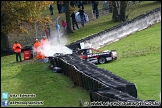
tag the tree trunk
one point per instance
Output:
(123, 10)
(119, 10)
(67, 14)
(115, 16)
(4, 42)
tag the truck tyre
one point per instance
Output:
(101, 60)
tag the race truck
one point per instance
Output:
(97, 56)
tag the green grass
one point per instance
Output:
(30, 77)
(54, 89)
(139, 61)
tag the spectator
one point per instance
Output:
(74, 20)
(17, 49)
(64, 25)
(93, 6)
(51, 9)
(96, 9)
(59, 6)
(46, 32)
(63, 7)
(81, 5)
(48, 29)
(81, 13)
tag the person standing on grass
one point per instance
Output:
(17, 49)
(59, 6)
(51, 9)
(95, 7)
(64, 25)
(48, 28)
(82, 17)
(74, 20)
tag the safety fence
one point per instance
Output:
(119, 31)
(37, 30)
(101, 84)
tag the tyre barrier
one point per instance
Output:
(130, 87)
(82, 74)
(111, 93)
(112, 97)
(101, 84)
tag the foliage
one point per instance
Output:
(15, 13)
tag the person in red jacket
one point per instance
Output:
(64, 25)
(17, 49)
(37, 48)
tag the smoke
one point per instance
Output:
(57, 42)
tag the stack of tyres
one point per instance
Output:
(69, 70)
(87, 81)
(75, 75)
(64, 67)
(108, 82)
(106, 92)
(126, 97)
(83, 80)
(78, 78)
(130, 87)
(95, 83)
(94, 94)
(114, 84)
(72, 75)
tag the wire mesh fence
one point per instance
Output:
(38, 31)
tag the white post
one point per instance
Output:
(57, 27)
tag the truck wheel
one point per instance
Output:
(102, 60)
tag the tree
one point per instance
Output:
(123, 10)
(14, 14)
(115, 16)
(119, 10)
(67, 14)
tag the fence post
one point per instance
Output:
(35, 28)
